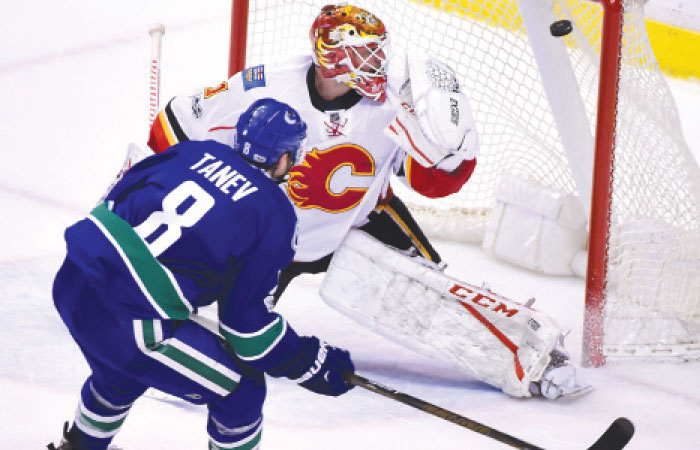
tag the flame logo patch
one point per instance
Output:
(309, 184)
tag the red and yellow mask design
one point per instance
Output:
(349, 45)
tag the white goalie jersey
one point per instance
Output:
(349, 160)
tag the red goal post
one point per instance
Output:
(596, 274)
(632, 315)
(239, 36)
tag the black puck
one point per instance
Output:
(561, 28)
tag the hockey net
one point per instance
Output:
(535, 103)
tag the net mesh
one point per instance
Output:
(653, 287)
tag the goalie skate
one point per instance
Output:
(568, 390)
(559, 380)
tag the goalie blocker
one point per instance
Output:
(498, 341)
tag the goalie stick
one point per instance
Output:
(615, 437)
(135, 153)
(156, 32)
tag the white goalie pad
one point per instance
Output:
(496, 340)
(536, 227)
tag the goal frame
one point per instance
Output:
(601, 195)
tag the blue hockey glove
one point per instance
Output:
(325, 373)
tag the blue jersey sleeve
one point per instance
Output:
(260, 337)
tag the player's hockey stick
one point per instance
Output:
(615, 437)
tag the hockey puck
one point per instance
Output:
(561, 28)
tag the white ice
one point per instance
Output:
(74, 76)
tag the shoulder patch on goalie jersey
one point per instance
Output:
(253, 77)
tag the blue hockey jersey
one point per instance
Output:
(187, 228)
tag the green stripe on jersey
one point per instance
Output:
(250, 346)
(152, 276)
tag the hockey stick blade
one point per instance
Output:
(616, 436)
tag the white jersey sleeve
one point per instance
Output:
(211, 112)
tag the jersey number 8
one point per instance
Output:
(174, 220)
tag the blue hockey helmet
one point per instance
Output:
(267, 130)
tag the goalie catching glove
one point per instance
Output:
(434, 123)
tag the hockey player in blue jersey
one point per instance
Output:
(201, 223)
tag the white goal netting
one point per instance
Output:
(535, 105)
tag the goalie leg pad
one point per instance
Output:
(492, 338)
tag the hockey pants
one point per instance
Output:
(181, 358)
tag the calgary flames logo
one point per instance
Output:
(309, 183)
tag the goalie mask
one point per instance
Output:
(349, 45)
